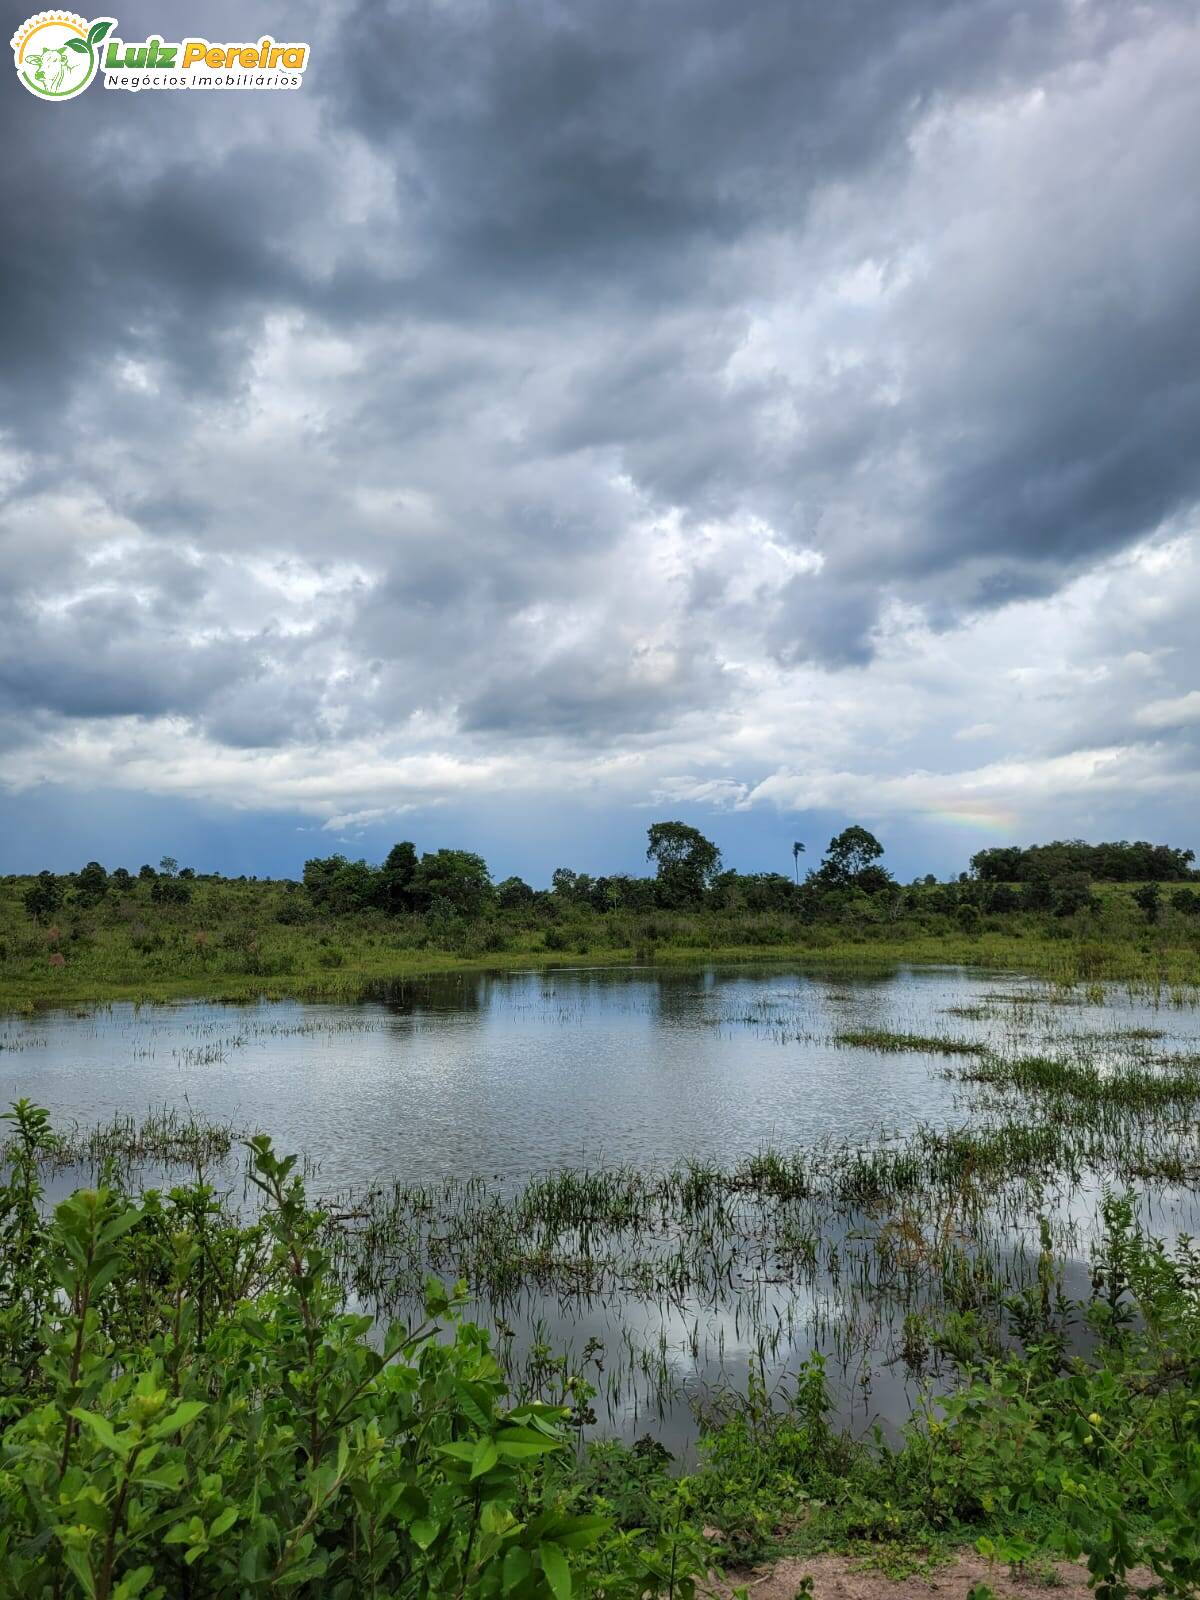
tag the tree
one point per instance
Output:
(1073, 893)
(43, 896)
(1002, 864)
(872, 879)
(763, 891)
(850, 861)
(631, 894)
(797, 852)
(146, 871)
(1002, 897)
(514, 894)
(460, 878)
(1148, 898)
(168, 891)
(581, 889)
(168, 866)
(396, 876)
(1118, 861)
(91, 884)
(1037, 894)
(338, 885)
(599, 894)
(687, 862)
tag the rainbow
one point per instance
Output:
(984, 814)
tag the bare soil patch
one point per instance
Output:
(846, 1578)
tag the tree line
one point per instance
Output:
(170, 884)
(689, 874)
(1117, 862)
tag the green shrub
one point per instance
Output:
(1048, 1444)
(1099, 1452)
(188, 1411)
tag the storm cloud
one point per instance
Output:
(781, 407)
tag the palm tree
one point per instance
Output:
(797, 852)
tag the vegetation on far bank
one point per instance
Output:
(348, 930)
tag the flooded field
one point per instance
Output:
(665, 1182)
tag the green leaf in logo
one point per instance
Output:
(97, 31)
(77, 44)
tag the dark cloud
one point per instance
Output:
(562, 373)
(830, 624)
(584, 695)
(607, 147)
(101, 658)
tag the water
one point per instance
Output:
(509, 1074)
(505, 1075)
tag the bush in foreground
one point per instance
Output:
(1079, 1439)
(188, 1411)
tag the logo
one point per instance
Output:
(58, 54)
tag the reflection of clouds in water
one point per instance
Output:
(505, 1075)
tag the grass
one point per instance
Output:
(1132, 1087)
(240, 941)
(165, 1136)
(937, 1044)
(876, 1243)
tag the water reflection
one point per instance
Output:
(504, 1075)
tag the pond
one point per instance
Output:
(503, 1076)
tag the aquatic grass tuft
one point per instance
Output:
(935, 1044)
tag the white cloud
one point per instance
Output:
(1184, 708)
(806, 422)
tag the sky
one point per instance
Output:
(556, 417)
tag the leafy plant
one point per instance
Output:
(1100, 1454)
(190, 1411)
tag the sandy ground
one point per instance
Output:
(843, 1578)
